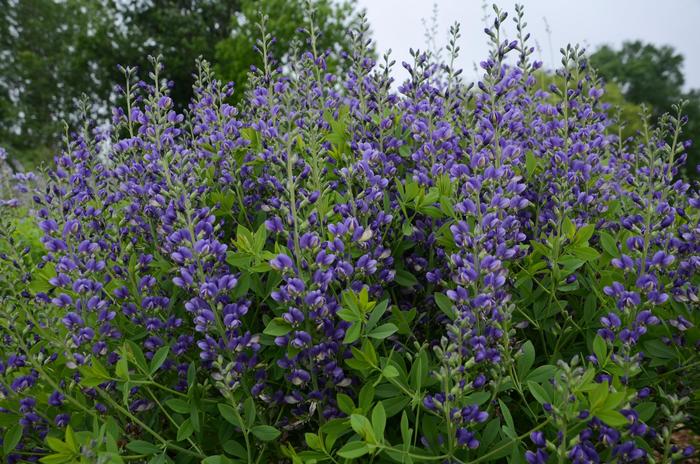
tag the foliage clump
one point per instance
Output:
(336, 270)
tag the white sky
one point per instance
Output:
(396, 25)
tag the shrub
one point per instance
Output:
(338, 271)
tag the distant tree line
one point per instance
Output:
(54, 51)
(653, 76)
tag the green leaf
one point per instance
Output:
(349, 316)
(395, 405)
(313, 441)
(506, 415)
(249, 411)
(142, 447)
(366, 397)
(405, 278)
(265, 432)
(353, 450)
(217, 459)
(229, 414)
(538, 392)
(160, 459)
(260, 238)
(159, 358)
(179, 406)
(60, 458)
(600, 349)
(379, 420)
(345, 403)
(406, 432)
(445, 305)
(612, 418)
(478, 398)
(614, 400)
(609, 244)
(586, 253)
(362, 426)
(571, 263)
(419, 374)
(353, 333)
(403, 319)
(645, 410)
(657, 349)
(568, 228)
(71, 439)
(234, 448)
(490, 432)
(527, 359)
(383, 331)
(277, 327)
(542, 373)
(122, 368)
(530, 163)
(185, 430)
(377, 314)
(590, 306)
(390, 371)
(12, 438)
(59, 446)
(584, 234)
(598, 395)
(501, 449)
(137, 355)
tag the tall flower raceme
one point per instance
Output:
(647, 257)
(337, 271)
(572, 149)
(487, 195)
(323, 249)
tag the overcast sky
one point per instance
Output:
(397, 25)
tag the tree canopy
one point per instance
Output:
(52, 52)
(652, 75)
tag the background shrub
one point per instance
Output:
(337, 271)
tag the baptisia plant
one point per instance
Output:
(342, 269)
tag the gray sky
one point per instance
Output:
(396, 24)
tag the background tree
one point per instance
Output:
(53, 51)
(652, 75)
(44, 68)
(235, 54)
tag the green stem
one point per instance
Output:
(156, 435)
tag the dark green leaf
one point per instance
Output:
(265, 432)
(277, 327)
(185, 430)
(12, 438)
(527, 359)
(142, 447)
(383, 331)
(538, 392)
(609, 244)
(159, 358)
(179, 406)
(445, 305)
(353, 450)
(229, 414)
(405, 278)
(378, 420)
